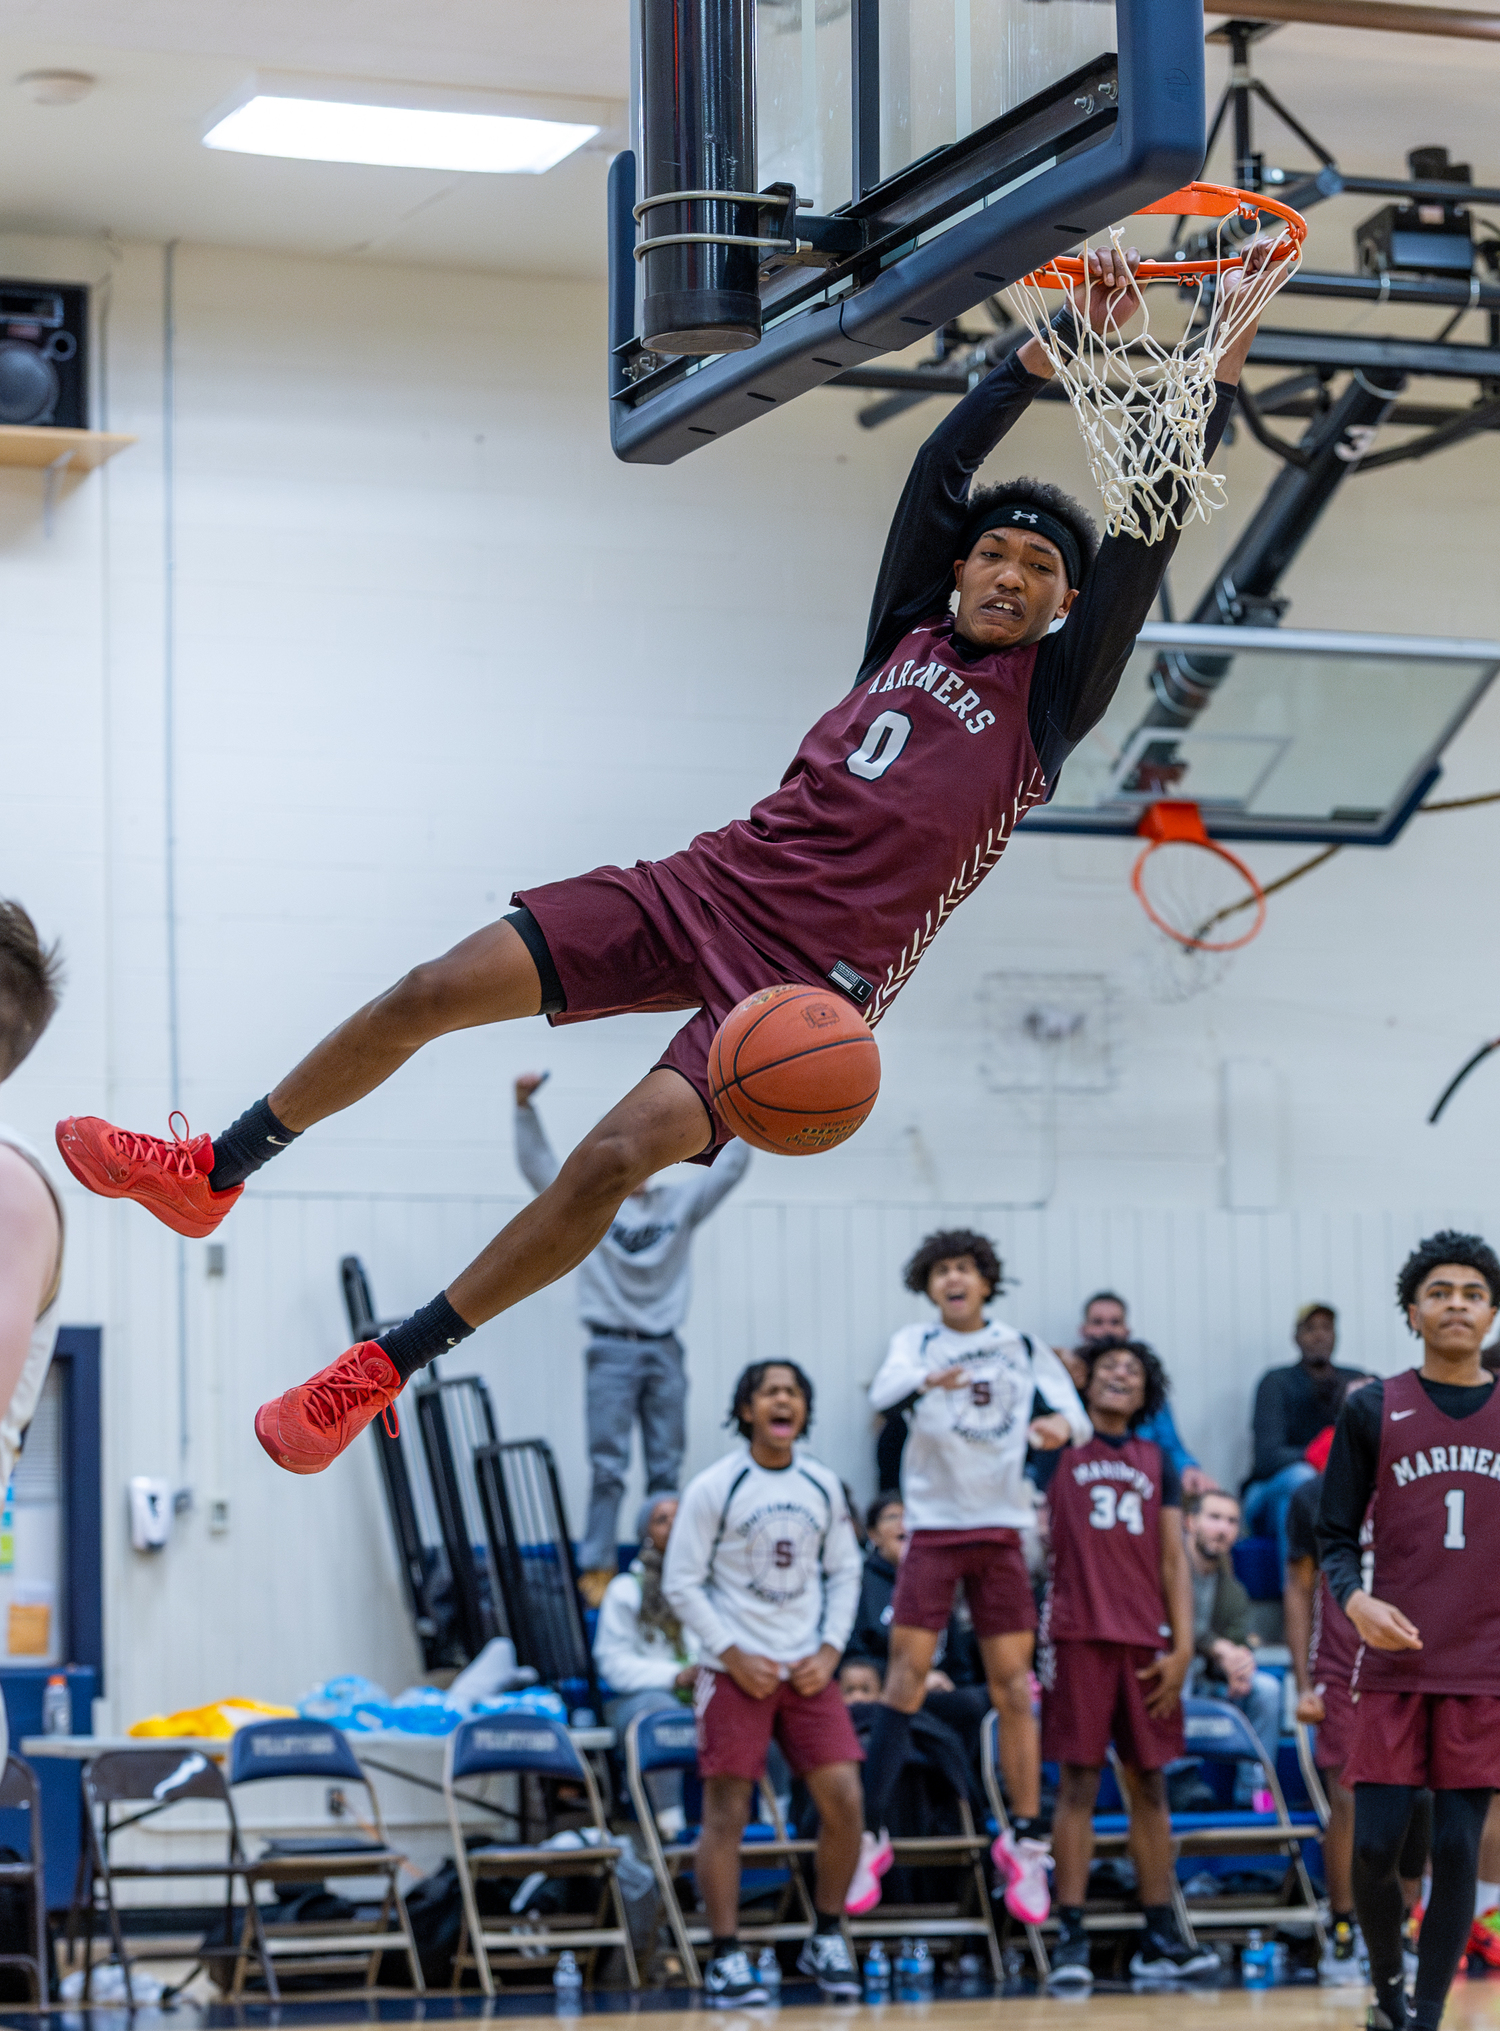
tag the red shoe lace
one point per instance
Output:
(176, 1155)
(329, 1400)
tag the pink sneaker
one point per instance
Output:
(1022, 1866)
(875, 1858)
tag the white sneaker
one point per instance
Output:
(875, 1858)
(730, 1982)
(826, 1957)
(1022, 1867)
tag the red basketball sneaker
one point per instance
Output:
(170, 1179)
(307, 1429)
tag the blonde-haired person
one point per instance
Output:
(31, 1217)
(645, 1656)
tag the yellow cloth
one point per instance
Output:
(215, 1722)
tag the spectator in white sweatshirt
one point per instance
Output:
(981, 1393)
(645, 1656)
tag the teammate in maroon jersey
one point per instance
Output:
(896, 805)
(1324, 1646)
(1118, 1588)
(1425, 1445)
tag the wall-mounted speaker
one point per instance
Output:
(44, 331)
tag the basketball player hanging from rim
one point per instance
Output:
(899, 801)
(1426, 1679)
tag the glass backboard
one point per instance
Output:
(938, 150)
(1275, 733)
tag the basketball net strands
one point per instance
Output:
(1143, 404)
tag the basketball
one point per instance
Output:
(794, 1070)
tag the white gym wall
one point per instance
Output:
(430, 643)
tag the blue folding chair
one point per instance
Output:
(967, 1914)
(313, 1750)
(668, 1741)
(1312, 1776)
(521, 1746)
(1111, 1843)
(1219, 1733)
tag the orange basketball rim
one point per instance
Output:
(1180, 824)
(1194, 200)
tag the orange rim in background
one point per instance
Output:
(1181, 824)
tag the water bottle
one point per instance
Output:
(567, 1985)
(57, 1707)
(922, 1971)
(1257, 1964)
(768, 1968)
(905, 1973)
(877, 1975)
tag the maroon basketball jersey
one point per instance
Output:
(1437, 1544)
(1104, 1579)
(897, 805)
(1335, 1641)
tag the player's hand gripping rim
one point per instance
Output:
(1114, 294)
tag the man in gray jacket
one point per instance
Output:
(633, 1294)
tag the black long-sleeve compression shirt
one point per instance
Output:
(1078, 668)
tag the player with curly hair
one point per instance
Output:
(1118, 1583)
(1420, 1453)
(980, 1394)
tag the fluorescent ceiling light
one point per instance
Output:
(396, 137)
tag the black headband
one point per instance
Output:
(1013, 515)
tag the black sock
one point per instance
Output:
(885, 1758)
(1341, 1917)
(422, 1337)
(1070, 1920)
(826, 1922)
(723, 1946)
(1021, 1825)
(247, 1144)
(1161, 1920)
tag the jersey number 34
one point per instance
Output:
(1108, 1509)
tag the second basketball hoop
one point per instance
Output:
(1198, 893)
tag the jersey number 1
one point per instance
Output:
(1453, 1536)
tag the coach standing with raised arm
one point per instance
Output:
(633, 1292)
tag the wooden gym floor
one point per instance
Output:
(1473, 2006)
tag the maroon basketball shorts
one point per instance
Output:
(734, 1731)
(997, 1586)
(633, 939)
(1335, 1736)
(1095, 1698)
(1449, 1741)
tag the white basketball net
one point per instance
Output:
(1142, 403)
